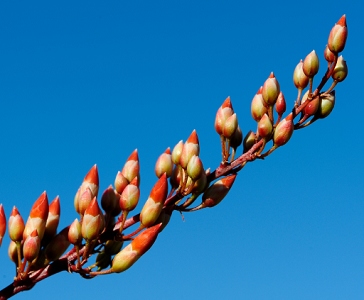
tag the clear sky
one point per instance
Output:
(83, 82)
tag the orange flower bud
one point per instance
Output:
(74, 233)
(138, 246)
(131, 167)
(92, 222)
(2, 223)
(53, 218)
(265, 126)
(110, 202)
(16, 226)
(341, 70)
(91, 181)
(164, 164)
(224, 112)
(258, 109)
(217, 192)
(31, 246)
(311, 64)
(300, 79)
(37, 217)
(270, 90)
(153, 206)
(190, 148)
(283, 131)
(338, 35)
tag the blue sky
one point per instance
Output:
(84, 83)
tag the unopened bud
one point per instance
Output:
(225, 111)
(92, 221)
(176, 153)
(74, 233)
(138, 246)
(110, 202)
(300, 79)
(131, 167)
(164, 164)
(338, 35)
(237, 138)
(311, 64)
(341, 70)
(283, 131)
(217, 192)
(265, 126)
(190, 148)
(16, 225)
(195, 168)
(53, 218)
(270, 90)
(329, 56)
(280, 104)
(327, 103)
(120, 182)
(2, 223)
(230, 126)
(129, 197)
(31, 246)
(249, 141)
(153, 206)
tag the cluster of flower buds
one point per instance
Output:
(226, 125)
(35, 244)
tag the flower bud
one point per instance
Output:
(311, 64)
(283, 131)
(129, 197)
(91, 181)
(326, 105)
(225, 111)
(16, 226)
(280, 104)
(230, 126)
(120, 182)
(13, 252)
(2, 223)
(190, 148)
(153, 206)
(31, 246)
(53, 218)
(329, 56)
(300, 79)
(92, 221)
(270, 90)
(341, 70)
(110, 202)
(176, 176)
(138, 246)
(265, 126)
(37, 217)
(249, 141)
(131, 167)
(164, 164)
(195, 168)
(338, 35)
(58, 245)
(258, 109)
(74, 233)
(312, 107)
(217, 192)
(176, 153)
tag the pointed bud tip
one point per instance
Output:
(342, 21)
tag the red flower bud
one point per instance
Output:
(283, 131)
(31, 246)
(92, 222)
(217, 192)
(37, 217)
(153, 206)
(53, 218)
(2, 223)
(224, 112)
(138, 246)
(190, 148)
(129, 197)
(131, 167)
(338, 35)
(329, 56)
(280, 104)
(120, 182)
